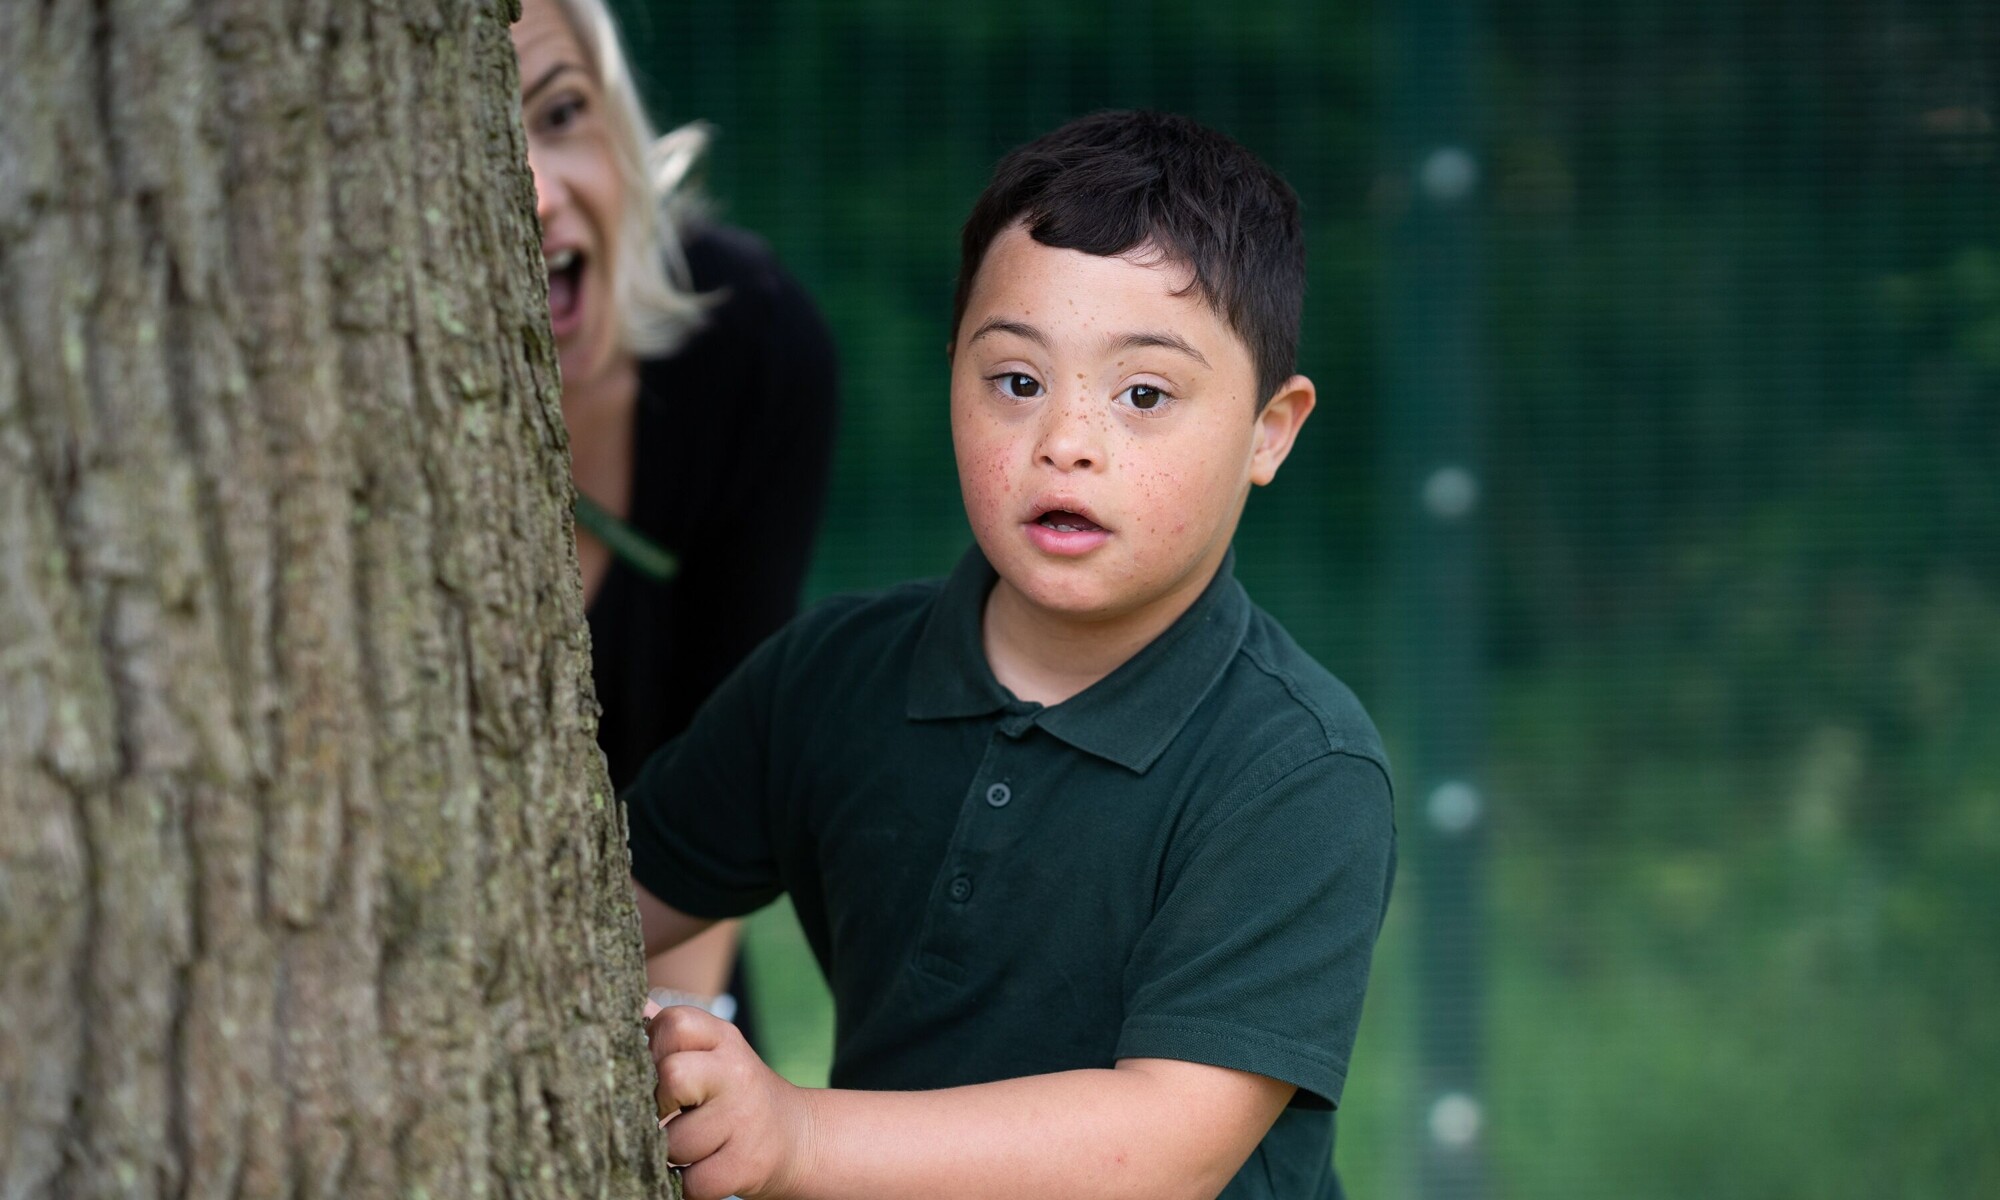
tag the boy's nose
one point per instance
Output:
(1070, 436)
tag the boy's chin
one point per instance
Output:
(1098, 588)
(1069, 591)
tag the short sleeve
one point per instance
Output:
(1257, 956)
(698, 812)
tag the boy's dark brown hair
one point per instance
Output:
(1114, 182)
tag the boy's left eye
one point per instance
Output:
(1144, 397)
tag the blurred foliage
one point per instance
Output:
(1744, 530)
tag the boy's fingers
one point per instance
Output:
(650, 1011)
(688, 1078)
(693, 1135)
(664, 1104)
(675, 1034)
(706, 1180)
(684, 1027)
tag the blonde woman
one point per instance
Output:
(699, 389)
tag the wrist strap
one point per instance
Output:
(638, 551)
(723, 1006)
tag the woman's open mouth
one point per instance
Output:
(565, 291)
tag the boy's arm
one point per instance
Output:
(661, 924)
(1149, 1128)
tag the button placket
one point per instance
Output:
(946, 925)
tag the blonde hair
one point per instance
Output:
(651, 290)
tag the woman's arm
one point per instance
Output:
(699, 966)
(661, 924)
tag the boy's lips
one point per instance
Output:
(1065, 528)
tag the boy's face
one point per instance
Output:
(1106, 427)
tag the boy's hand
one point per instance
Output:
(735, 1126)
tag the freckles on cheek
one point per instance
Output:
(1160, 489)
(986, 485)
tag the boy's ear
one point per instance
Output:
(1278, 427)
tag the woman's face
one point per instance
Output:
(577, 192)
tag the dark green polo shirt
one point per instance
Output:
(1189, 860)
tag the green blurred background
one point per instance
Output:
(1690, 658)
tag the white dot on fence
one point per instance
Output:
(1449, 174)
(1451, 493)
(1454, 806)
(1455, 1120)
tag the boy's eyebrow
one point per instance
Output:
(1017, 328)
(1130, 341)
(1165, 341)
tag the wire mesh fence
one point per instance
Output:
(1651, 504)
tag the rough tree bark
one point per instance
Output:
(310, 879)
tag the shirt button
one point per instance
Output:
(961, 888)
(998, 795)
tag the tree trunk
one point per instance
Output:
(311, 882)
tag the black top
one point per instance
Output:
(732, 442)
(1190, 859)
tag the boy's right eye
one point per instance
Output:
(1019, 386)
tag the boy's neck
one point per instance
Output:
(1048, 657)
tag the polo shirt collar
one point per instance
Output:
(1128, 717)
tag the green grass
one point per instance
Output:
(794, 1009)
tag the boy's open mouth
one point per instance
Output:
(1063, 521)
(565, 283)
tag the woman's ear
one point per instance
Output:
(1278, 427)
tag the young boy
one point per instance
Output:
(1093, 856)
